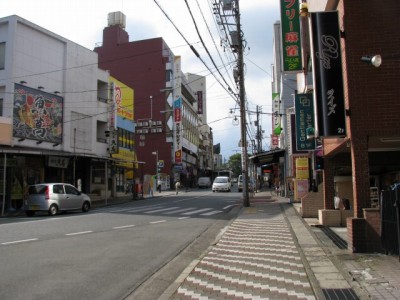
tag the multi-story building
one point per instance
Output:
(54, 113)
(347, 113)
(169, 104)
(364, 159)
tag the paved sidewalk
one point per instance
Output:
(270, 252)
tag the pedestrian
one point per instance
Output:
(177, 187)
(159, 187)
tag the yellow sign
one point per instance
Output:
(124, 157)
(302, 168)
(124, 99)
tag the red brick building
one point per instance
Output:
(369, 155)
(154, 72)
(142, 66)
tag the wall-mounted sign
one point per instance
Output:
(328, 76)
(302, 168)
(58, 162)
(304, 107)
(291, 42)
(37, 115)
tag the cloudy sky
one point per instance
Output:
(82, 21)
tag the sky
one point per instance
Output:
(83, 21)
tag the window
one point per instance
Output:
(71, 190)
(58, 189)
(1, 107)
(2, 55)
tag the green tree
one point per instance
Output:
(235, 164)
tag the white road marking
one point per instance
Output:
(156, 222)
(229, 206)
(214, 212)
(19, 241)
(122, 227)
(196, 211)
(183, 218)
(178, 211)
(78, 233)
(160, 210)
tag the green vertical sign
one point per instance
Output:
(291, 42)
(304, 108)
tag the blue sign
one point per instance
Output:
(305, 130)
(178, 102)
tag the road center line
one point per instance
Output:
(20, 241)
(78, 233)
(121, 227)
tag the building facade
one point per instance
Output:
(170, 105)
(356, 128)
(54, 106)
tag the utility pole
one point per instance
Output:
(258, 134)
(238, 74)
(242, 99)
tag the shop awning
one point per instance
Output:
(268, 157)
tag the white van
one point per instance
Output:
(204, 182)
(221, 183)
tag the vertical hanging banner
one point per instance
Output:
(178, 130)
(200, 102)
(304, 108)
(276, 114)
(177, 105)
(276, 119)
(291, 42)
(114, 97)
(328, 76)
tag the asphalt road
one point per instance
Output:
(132, 250)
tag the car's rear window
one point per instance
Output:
(221, 179)
(37, 189)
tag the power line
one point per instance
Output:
(193, 49)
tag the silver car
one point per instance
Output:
(54, 198)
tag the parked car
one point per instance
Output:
(204, 182)
(240, 183)
(222, 184)
(54, 198)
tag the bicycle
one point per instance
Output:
(275, 191)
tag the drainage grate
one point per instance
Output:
(336, 239)
(340, 294)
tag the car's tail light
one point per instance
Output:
(46, 193)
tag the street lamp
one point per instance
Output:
(156, 154)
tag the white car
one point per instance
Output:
(221, 184)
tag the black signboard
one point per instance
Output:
(328, 77)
